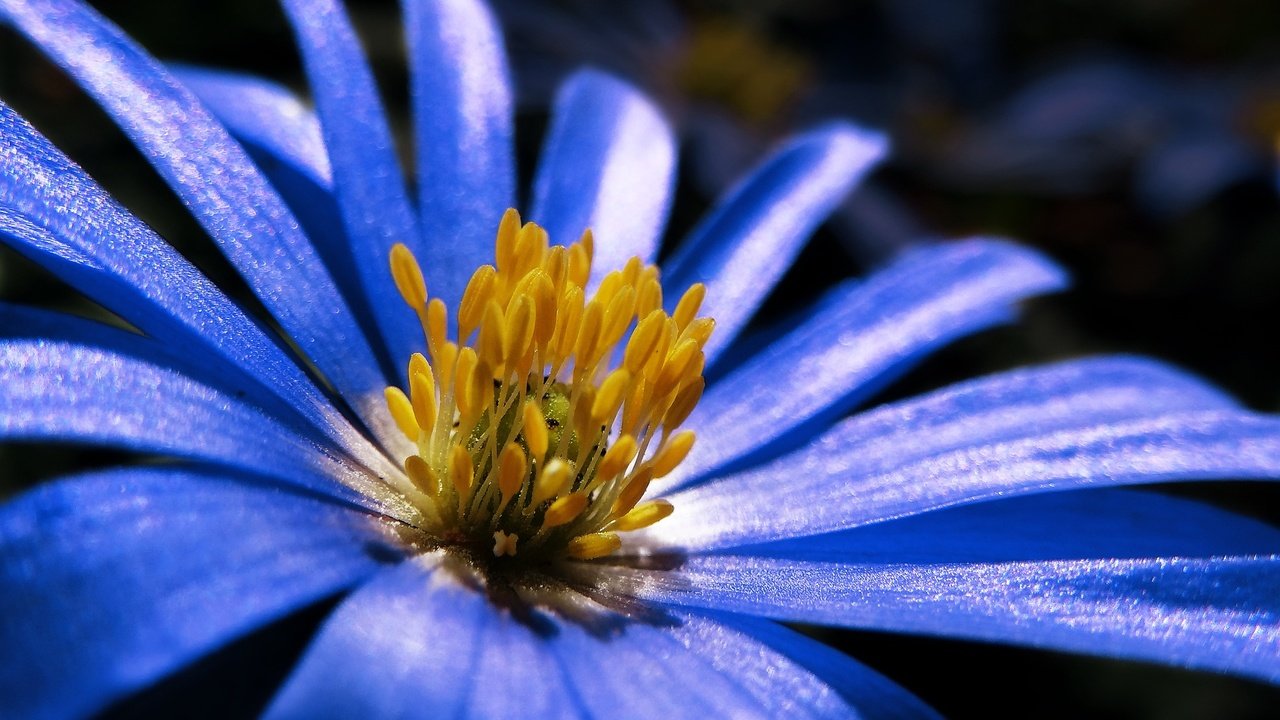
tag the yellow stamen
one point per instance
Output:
(589, 335)
(688, 306)
(535, 431)
(402, 412)
(618, 457)
(408, 276)
(700, 331)
(649, 294)
(631, 494)
(618, 317)
(644, 340)
(461, 473)
(634, 407)
(565, 509)
(609, 396)
(552, 481)
(422, 386)
(418, 364)
(579, 264)
(475, 299)
(511, 471)
(556, 265)
(568, 322)
(468, 386)
(672, 453)
(684, 404)
(519, 334)
(491, 346)
(595, 545)
(506, 242)
(643, 515)
(445, 361)
(437, 327)
(588, 243)
(423, 477)
(550, 413)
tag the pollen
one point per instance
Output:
(541, 423)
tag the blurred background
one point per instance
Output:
(1134, 141)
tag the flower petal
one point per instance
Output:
(1102, 523)
(367, 180)
(216, 179)
(461, 94)
(265, 117)
(870, 693)
(427, 634)
(51, 212)
(283, 137)
(420, 636)
(859, 339)
(113, 580)
(660, 677)
(743, 247)
(67, 392)
(33, 323)
(1099, 423)
(608, 164)
(1209, 613)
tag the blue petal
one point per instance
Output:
(1209, 613)
(749, 240)
(858, 340)
(427, 634)
(33, 323)
(215, 178)
(790, 675)
(461, 93)
(419, 636)
(1104, 523)
(1106, 422)
(266, 117)
(67, 392)
(608, 165)
(367, 179)
(658, 668)
(57, 216)
(283, 138)
(51, 212)
(870, 693)
(113, 580)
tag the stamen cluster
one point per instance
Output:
(513, 421)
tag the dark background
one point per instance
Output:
(1198, 285)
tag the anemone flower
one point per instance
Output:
(460, 493)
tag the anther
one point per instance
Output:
(564, 510)
(672, 453)
(595, 545)
(552, 481)
(402, 412)
(643, 515)
(408, 277)
(423, 477)
(535, 431)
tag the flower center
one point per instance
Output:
(533, 432)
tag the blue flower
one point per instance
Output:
(986, 510)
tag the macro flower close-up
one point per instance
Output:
(522, 452)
